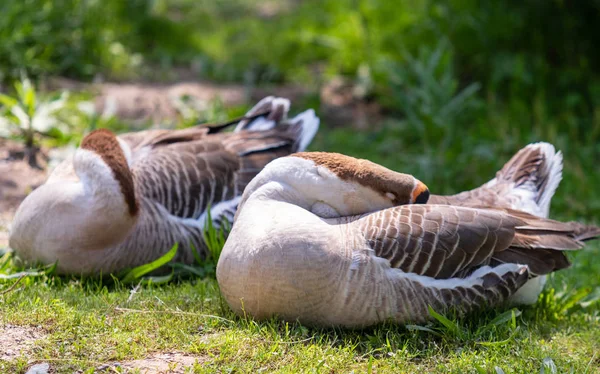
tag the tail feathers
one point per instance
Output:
(304, 125)
(275, 110)
(540, 243)
(308, 123)
(533, 225)
(533, 174)
(539, 261)
(585, 232)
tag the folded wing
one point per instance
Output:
(464, 257)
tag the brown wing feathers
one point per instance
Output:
(444, 241)
(187, 170)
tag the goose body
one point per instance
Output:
(124, 201)
(327, 239)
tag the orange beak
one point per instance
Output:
(420, 193)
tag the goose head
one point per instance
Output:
(334, 185)
(87, 204)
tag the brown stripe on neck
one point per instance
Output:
(104, 143)
(366, 173)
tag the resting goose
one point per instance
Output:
(327, 239)
(125, 201)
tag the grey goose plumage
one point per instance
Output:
(124, 201)
(360, 255)
(527, 183)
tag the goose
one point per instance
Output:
(329, 240)
(123, 201)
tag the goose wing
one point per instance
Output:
(190, 170)
(459, 257)
(442, 241)
(176, 182)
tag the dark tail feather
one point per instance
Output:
(540, 243)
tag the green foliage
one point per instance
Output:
(69, 37)
(542, 47)
(214, 240)
(556, 304)
(26, 116)
(205, 266)
(214, 237)
(136, 274)
(12, 271)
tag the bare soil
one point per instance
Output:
(163, 363)
(341, 101)
(17, 341)
(155, 102)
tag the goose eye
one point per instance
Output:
(390, 196)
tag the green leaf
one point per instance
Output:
(195, 253)
(503, 318)
(28, 273)
(51, 268)
(422, 328)
(183, 269)
(592, 299)
(7, 101)
(450, 326)
(137, 272)
(571, 302)
(158, 279)
(214, 238)
(30, 101)
(5, 259)
(501, 342)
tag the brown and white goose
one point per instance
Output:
(124, 201)
(331, 240)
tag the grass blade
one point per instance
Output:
(503, 318)
(28, 273)
(449, 325)
(158, 279)
(501, 342)
(137, 272)
(422, 328)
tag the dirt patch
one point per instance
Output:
(160, 363)
(17, 341)
(343, 102)
(151, 102)
(17, 179)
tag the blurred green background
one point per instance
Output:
(445, 90)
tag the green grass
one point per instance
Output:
(88, 324)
